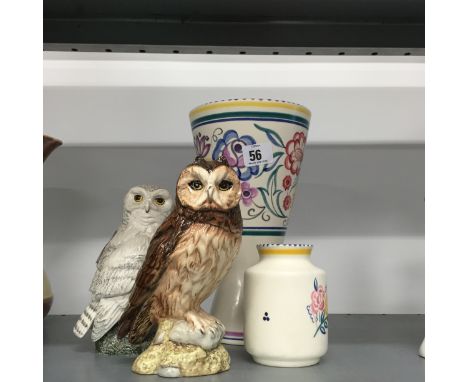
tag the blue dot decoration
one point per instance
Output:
(266, 317)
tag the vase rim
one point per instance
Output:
(249, 102)
(284, 245)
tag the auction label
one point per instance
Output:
(260, 153)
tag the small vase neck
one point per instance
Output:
(285, 257)
(284, 251)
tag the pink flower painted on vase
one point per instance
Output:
(202, 147)
(295, 153)
(318, 308)
(287, 202)
(287, 182)
(318, 300)
(248, 193)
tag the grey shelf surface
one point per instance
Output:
(361, 348)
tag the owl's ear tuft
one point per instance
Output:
(199, 160)
(222, 159)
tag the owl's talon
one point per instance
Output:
(199, 329)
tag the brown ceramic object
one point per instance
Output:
(188, 256)
(49, 145)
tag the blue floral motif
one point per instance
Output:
(274, 199)
(230, 146)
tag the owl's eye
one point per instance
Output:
(225, 185)
(159, 201)
(138, 198)
(196, 185)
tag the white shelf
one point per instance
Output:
(127, 99)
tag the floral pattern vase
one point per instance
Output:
(286, 307)
(226, 128)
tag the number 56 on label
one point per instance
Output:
(260, 153)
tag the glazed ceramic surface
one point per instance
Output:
(422, 349)
(187, 258)
(47, 296)
(226, 128)
(145, 207)
(286, 307)
(49, 144)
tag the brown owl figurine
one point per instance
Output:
(188, 256)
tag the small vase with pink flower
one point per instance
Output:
(286, 307)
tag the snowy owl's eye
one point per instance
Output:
(138, 198)
(159, 201)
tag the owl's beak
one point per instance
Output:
(209, 191)
(147, 207)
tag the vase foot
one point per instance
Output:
(233, 338)
(283, 363)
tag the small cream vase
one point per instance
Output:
(286, 307)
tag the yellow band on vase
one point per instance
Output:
(284, 251)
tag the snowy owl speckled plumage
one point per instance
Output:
(145, 208)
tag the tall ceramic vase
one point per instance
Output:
(264, 141)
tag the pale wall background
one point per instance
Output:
(361, 192)
(362, 207)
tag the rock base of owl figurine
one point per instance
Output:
(174, 359)
(110, 344)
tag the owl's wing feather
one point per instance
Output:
(108, 313)
(162, 245)
(108, 247)
(118, 265)
(86, 319)
(114, 281)
(142, 324)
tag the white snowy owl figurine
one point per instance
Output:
(145, 208)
